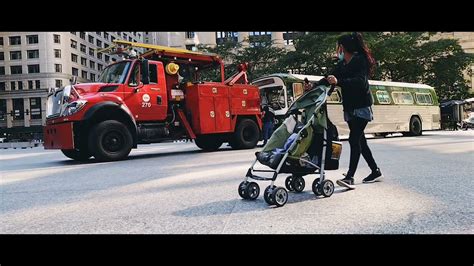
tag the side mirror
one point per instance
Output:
(145, 71)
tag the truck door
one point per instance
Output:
(148, 102)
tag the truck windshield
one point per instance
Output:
(116, 73)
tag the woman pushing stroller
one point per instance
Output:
(352, 72)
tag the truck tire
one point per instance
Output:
(78, 155)
(415, 127)
(110, 140)
(208, 142)
(246, 135)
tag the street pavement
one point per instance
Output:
(176, 188)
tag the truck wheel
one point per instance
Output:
(78, 155)
(208, 142)
(415, 126)
(246, 135)
(110, 140)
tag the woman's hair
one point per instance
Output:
(354, 43)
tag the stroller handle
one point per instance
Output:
(331, 90)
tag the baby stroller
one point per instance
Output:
(297, 148)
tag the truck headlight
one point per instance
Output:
(74, 107)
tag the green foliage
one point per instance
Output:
(401, 56)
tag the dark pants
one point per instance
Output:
(267, 131)
(359, 145)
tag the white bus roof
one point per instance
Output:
(371, 82)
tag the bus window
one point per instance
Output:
(424, 98)
(383, 97)
(298, 90)
(402, 97)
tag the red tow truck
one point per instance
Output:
(156, 97)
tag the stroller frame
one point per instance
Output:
(278, 195)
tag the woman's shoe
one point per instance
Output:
(374, 176)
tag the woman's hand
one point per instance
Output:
(332, 80)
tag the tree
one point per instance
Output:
(401, 56)
(262, 58)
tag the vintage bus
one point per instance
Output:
(398, 107)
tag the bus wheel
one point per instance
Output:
(246, 135)
(208, 142)
(415, 126)
(110, 140)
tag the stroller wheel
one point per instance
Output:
(252, 191)
(298, 183)
(327, 188)
(316, 189)
(280, 196)
(243, 189)
(289, 183)
(267, 195)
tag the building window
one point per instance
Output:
(58, 68)
(3, 106)
(15, 40)
(83, 48)
(37, 84)
(18, 109)
(1, 41)
(33, 69)
(57, 53)
(73, 44)
(2, 56)
(125, 36)
(191, 47)
(15, 55)
(226, 36)
(92, 77)
(84, 74)
(16, 70)
(107, 58)
(83, 61)
(35, 107)
(32, 54)
(2, 70)
(2, 86)
(31, 39)
(75, 71)
(82, 35)
(106, 36)
(92, 64)
(91, 39)
(99, 56)
(73, 32)
(99, 43)
(100, 67)
(91, 52)
(13, 85)
(74, 58)
(57, 38)
(59, 83)
(190, 34)
(20, 85)
(30, 84)
(289, 36)
(98, 33)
